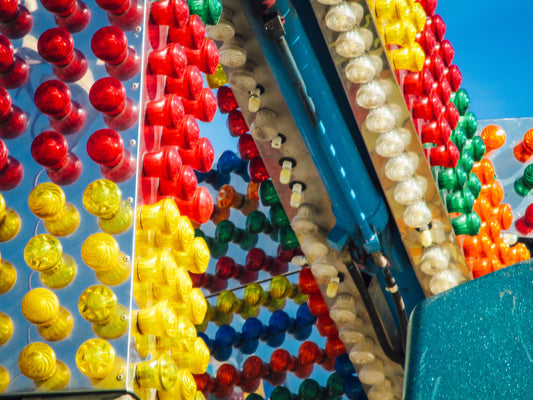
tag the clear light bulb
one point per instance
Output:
(380, 119)
(350, 44)
(361, 69)
(224, 29)
(296, 195)
(299, 261)
(254, 100)
(410, 190)
(367, 36)
(370, 95)
(232, 53)
(445, 280)
(417, 215)
(314, 247)
(343, 310)
(350, 336)
(340, 18)
(372, 373)
(381, 391)
(263, 128)
(304, 223)
(362, 352)
(392, 143)
(401, 167)
(434, 259)
(357, 10)
(285, 173)
(243, 79)
(509, 239)
(325, 267)
(387, 86)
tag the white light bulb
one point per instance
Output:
(410, 190)
(296, 195)
(343, 310)
(350, 44)
(340, 18)
(360, 70)
(299, 261)
(381, 391)
(232, 54)
(372, 373)
(401, 167)
(392, 143)
(263, 128)
(304, 223)
(276, 142)
(243, 79)
(370, 95)
(434, 259)
(445, 280)
(224, 29)
(254, 100)
(285, 173)
(380, 119)
(362, 352)
(314, 247)
(350, 336)
(326, 267)
(400, 114)
(417, 215)
(367, 36)
(333, 287)
(357, 10)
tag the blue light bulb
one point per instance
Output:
(343, 366)
(229, 162)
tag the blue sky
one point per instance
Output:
(493, 43)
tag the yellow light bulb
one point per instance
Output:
(417, 15)
(6, 329)
(37, 361)
(116, 379)
(103, 199)
(9, 222)
(218, 79)
(114, 328)
(44, 254)
(196, 258)
(179, 292)
(184, 388)
(161, 216)
(402, 33)
(56, 382)
(195, 308)
(160, 374)
(100, 252)
(95, 358)
(8, 276)
(159, 320)
(182, 237)
(4, 379)
(159, 267)
(41, 307)
(391, 9)
(410, 58)
(47, 201)
(193, 356)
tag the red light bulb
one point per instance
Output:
(253, 368)
(205, 58)
(437, 26)
(52, 98)
(454, 77)
(188, 86)
(191, 36)
(13, 121)
(199, 208)
(185, 136)
(50, 149)
(110, 45)
(203, 108)
(15, 21)
(57, 47)
(226, 268)
(418, 83)
(108, 96)
(334, 347)
(257, 260)
(282, 361)
(309, 353)
(74, 16)
(524, 224)
(445, 155)
(124, 14)
(426, 39)
(227, 375)
(170, 61)
(164, 163)
(226, 100)
(287, 255)
(236, 123)
(106, 148)
(326, 326)
(451, 114)
(429, 6)
(173, 13)
(316, 304)
(201, 157)
(437, 132)
(204, 382)
(306, 282)
(167, 111)
(428, 108)
(11, 171)
(247, 147)
(257, 170)
(435, 65)
(182, 185)
(14, 71)
(446, 52)
(444, 90)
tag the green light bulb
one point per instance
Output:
(474, 185)
(460, 201)
(281, 393)
(254, 396)
(334, 386)
(278, 217)
(227, 232)
(476, 147)
(461, 101)
(468, 123)
(268, 194)
(216, 248)
(458, 136)
(310, 390)
(288, 239)
(524, 184)
(452, 178)
(257, 222)
(466, 224)
(466, 161)
(209, 11)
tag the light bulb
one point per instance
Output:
(410, 190)
(285, 173)
(370, 95)
(314, 247)
(350, 336)
(243, 79)
(232, 53)
(341, 18)
(254, 100)
(367, 36)
(296, 195)
(343, 311)
(224, 29)
(372, 373)
(325, 268)
(362, 352)
(333, 287)
(329, 2)
(264, 128)
(417, 215)
(401, 167)
(350, 44)
(434, 259)
(357, 10)
(363, 69)
(445, 280)
(276, 142)
(393, 143)
(304, 223)
(381, 119)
